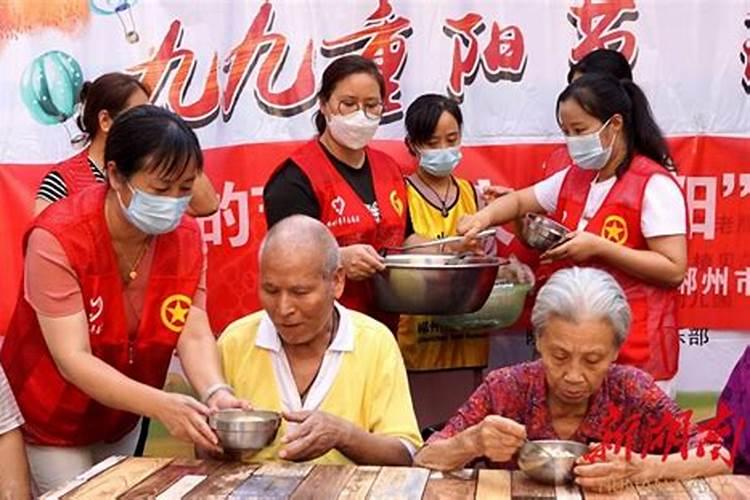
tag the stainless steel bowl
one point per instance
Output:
(434, 284)
(542, 233)
(502, 308)
(245, 430)
(558, 469)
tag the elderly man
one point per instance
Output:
(14, 473)
(337, 375)
(575, 392)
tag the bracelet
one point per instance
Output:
(214, 389)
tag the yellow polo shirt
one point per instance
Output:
(367, 382)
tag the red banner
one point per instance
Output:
(715, 172)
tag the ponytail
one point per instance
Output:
(647, 137)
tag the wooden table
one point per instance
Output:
(127, 478)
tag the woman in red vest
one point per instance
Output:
(104, 99)
(356, 190)
(114, 281)
(624, 209)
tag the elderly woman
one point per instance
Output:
(575, 392)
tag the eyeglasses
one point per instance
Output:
(373, 110)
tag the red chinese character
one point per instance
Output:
(598, 22)
(383, 39)
(259, 43)
(716, 430)
(617, 433)
(505, 55)
(667, 433)
(169, 58)
(464, 69)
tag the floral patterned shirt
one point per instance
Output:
(628, 406)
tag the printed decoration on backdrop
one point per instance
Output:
(24, 17)
(504, 57)
(172, 68)
(745, 57)
(51, 88)
(382, 39)
(123, 9)
(600, 24)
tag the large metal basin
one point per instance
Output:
(434, 284)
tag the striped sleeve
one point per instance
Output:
(10, 416)
(52, 188)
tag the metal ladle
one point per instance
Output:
(441, 241)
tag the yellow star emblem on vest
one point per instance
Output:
(174, 311)
(615, 229)
(396, 203)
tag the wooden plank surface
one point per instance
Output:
(568, 491)
(450, 485)
(698, 489)
(621, 492)
(164, 478)
(734, 487)
(359, 484)
(399, 483)
(662, 490)
(82, 478)
(222, 482)
(180, 487)
(324, 481)
(521, 486)
(272, 481)
(118, 479)
(493, 484)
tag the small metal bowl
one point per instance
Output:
(245, 430)
(434, 284)
(539, 466)
(542, 233)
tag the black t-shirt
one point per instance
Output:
(290, 192)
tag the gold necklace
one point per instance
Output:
(132, 273)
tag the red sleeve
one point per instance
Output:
(492, 397)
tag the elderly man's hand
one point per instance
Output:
(361, 261)
(317, 434)
(498, 438)
(611, 472)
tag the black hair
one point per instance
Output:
(423, 115)
(340, 69)
(110, 92)
(604, 96)
(153, 138)
(604, 61)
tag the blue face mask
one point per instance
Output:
(154, 214)
(440, 162)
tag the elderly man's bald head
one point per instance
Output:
(303, 235)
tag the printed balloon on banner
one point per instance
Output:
(51, 88)
(124, 12)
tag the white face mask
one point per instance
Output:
(587, 151)
(354, 130)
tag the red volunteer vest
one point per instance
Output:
(57, 413)
(653, 342)
(76, 172)
(557, 160)
(350, 221)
